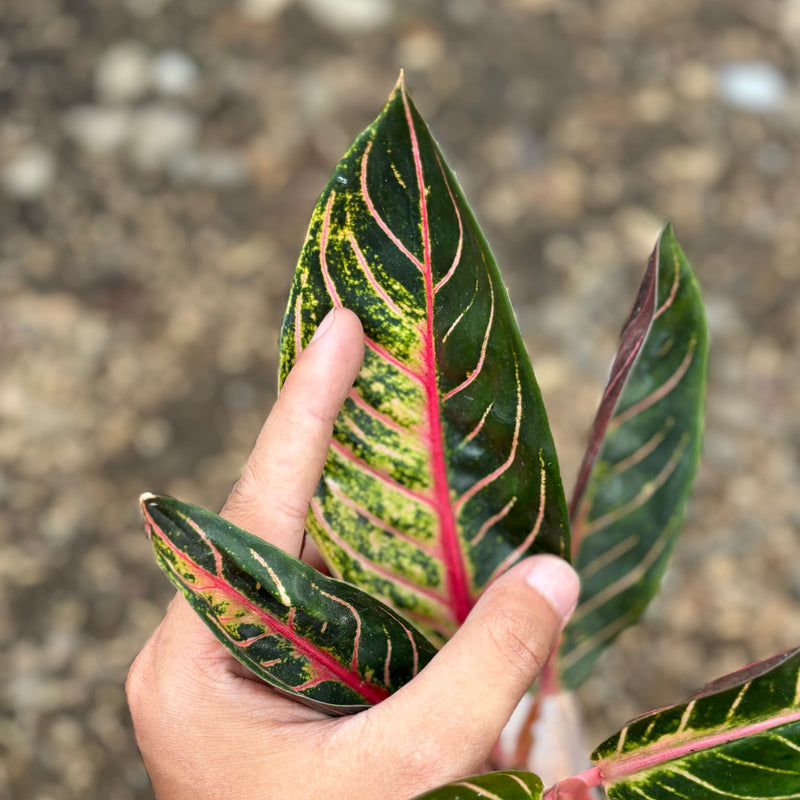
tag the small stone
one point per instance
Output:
(152, 437)
(639, 229)
(159, 133)
(420, 49)
(30, 174)
(789, 21)
(698, 165)
(123, 73)
(98, 130)
(262, 10)
(218, 168)
(755, 86)
(351, 15)
(695, 81)
(173, 73)
(772, 158)
(145, 8)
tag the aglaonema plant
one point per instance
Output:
(442, 473)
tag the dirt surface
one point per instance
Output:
(159, 160)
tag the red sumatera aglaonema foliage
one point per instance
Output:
(323, 642)
(635, 480)
(442, 474)
(442, 471)
(737, 739)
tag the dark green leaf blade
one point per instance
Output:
(442, 472)
(316, 639)
(737, 738)
(636, 477)
(510, 785)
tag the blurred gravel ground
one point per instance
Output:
(159, 160)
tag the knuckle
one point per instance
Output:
(287, 510)
(244, 489)
(519, 639)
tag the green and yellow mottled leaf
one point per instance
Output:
(442, 471)
(509, 785)
(313, 638)
(738, 739)
(638, 470)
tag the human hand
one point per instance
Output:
(210, 730)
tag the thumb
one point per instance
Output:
(462, 700)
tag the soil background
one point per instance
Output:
(159, 161)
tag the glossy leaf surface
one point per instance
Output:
(442, 472)
(509, 785)
(637, 474)
(318, 640)
(738, 738)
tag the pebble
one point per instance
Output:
(755, 86)
(158, 133)
(99, 130)
(145, 8)
(789, 21)
(262, 10)
(173, 73)
(29, 174)
(123, 73)
(351, 15)
(217, 168)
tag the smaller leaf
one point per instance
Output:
(316, 639)
(511, 785)
(737, 738)
(637, 474)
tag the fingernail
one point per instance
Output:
(557, 582)
(326, 323)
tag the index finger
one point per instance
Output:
(271, 498)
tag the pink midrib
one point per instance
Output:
(620, 767)
(373, 694)
(452, 556)
(613, 769)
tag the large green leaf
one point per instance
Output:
(738, 738)
(442, 471)
(318, 640)
(509, 785)
(636, 477)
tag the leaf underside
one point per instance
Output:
(510, 785)
(313, 638)
(635, 481)
(442, 471)
(738, 738)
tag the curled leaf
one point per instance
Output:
(316, 639)
(637, 474)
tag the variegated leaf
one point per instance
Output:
(738, 739)
(316, 639)
(442, 471)
(638, 470)
(509, 785)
